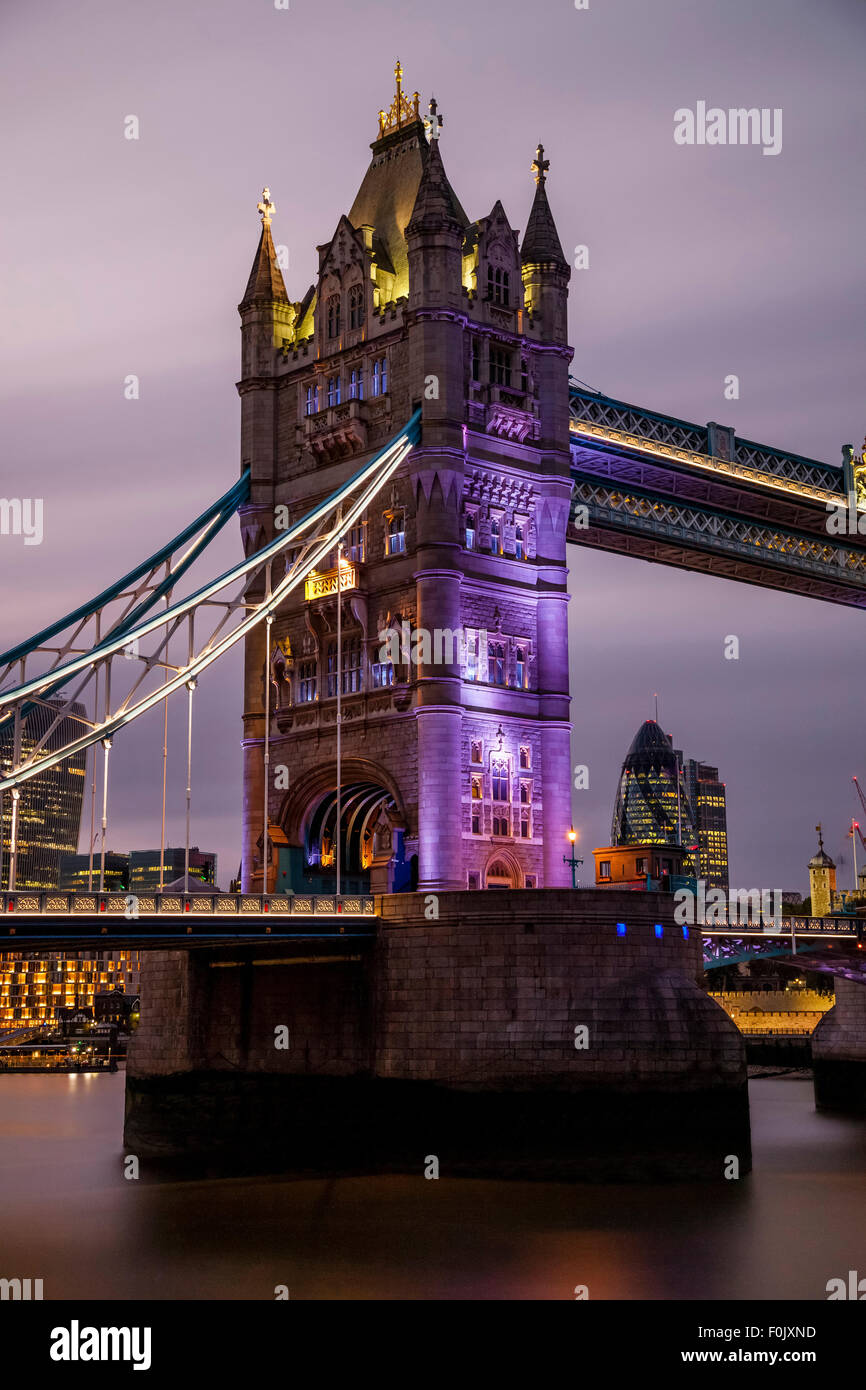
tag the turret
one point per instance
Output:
(822, 879)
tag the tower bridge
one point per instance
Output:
(414, 451)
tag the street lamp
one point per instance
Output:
(570, 859)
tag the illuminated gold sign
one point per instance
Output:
(321, 585)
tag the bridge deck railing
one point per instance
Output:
(60, 903)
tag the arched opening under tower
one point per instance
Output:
(371, 831)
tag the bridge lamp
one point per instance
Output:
(571, 836)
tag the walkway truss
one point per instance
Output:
(106, 664)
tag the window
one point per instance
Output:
(476, 360)
(500, 367)
(530, 880)
(396, 538)
(383, 674)
(476, 821)
(499, 780)
(640, 866)
(353, 545)
(521, 670)
(519, 548)
(495, 537)
(312, 400)
(496, 663)
(334, 316)
(471, 673)
(356, 306)
(526, 793)
(476, 788)
(350, 667)
(380, 376)
(307, 683)
(604, 869)
(498, 285)
(470, 530)
(525, 826)
(356, 384)
(476, 753)
(500, 822)
(333, 390)
(525, 756)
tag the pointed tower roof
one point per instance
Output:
(390, 186)
(266, 279)
(541, 240)
(436, 204)
(821, 860)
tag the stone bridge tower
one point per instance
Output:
(455, 749)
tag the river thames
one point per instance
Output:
(69, 1217)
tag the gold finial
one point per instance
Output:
(540, 165)
(266, 207)
(402, 111)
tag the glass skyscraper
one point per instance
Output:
(709, 812)
(49, 808)
(652, 803)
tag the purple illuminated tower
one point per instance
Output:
(455, 766)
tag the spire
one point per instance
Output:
(402, 111)
(266, 279)
(435, 205)
(541, 240)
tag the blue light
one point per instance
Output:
(685, 933)
(660, 931)
(620, 928)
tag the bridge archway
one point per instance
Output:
(372, 825)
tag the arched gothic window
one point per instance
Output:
(356, 306)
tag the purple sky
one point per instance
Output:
(130, 257)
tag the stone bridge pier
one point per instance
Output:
(541, 1034)
(839, 1051)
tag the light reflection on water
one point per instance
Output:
(68, 1216)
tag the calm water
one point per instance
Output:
(67, 1215)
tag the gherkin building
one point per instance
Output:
(646, 810)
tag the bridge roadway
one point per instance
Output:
(701, 498)
(66, 920)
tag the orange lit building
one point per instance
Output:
(640, 866)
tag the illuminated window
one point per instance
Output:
(476, 788)
(495, 537)
(522, 670)
(383, 674)
(334, 316)
(353, 546)
(519, 550)
(356, 384)
(470, 672)
(499, 781)
(496, 663)
(312, 400)
(356, 306)
(470, 531)
(380, 376)
(396, 538)
(333, 390)
(350, 667)
(604, 869)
